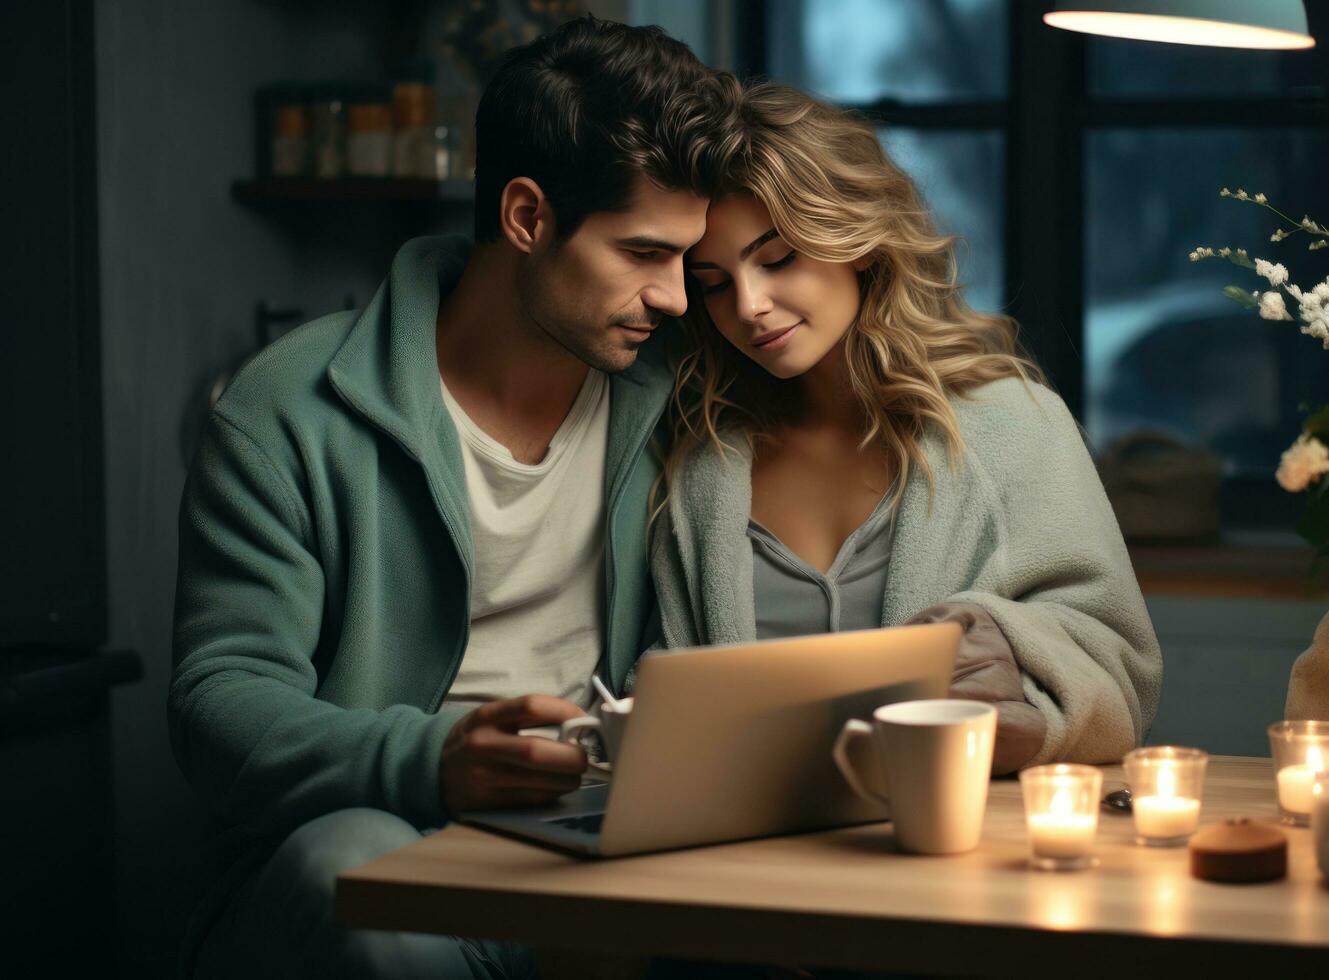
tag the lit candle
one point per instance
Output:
(1295, 782)
(1061, 832)
(1061, 812)
(1163, 814)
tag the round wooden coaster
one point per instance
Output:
(1239, 851)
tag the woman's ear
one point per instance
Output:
(524, 215)
(862, 263)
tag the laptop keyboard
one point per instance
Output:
(586, 823)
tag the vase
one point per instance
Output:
(1308, 687)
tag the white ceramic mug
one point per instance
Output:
(930, 762)
(611, 724)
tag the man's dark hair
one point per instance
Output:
(585, 109)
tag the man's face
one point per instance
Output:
(600, 292)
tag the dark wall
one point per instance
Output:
(51, 526)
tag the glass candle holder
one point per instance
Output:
(1167, 783)
(1061, 813)
(1301, 752)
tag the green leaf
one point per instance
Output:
(1242, 296)
(1313, 525)
(1318, 426)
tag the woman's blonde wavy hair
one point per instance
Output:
(833, 194)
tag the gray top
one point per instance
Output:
(794, 599)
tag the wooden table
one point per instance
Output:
(846, 898)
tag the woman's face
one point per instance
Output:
(783, 309)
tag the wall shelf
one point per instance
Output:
(273, 191)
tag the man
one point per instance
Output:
(411, 532)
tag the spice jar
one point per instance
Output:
(290, 140)
(329, 110)
(369, 136)
(414, 140)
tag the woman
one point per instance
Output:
(854, 446)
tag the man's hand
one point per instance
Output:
(486, 764)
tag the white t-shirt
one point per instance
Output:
(537, 597)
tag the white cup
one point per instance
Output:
(611, 724)
(930, 762)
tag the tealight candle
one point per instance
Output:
(1166, 785)
(1061, 813)
(1295, 782)
(1301, 750)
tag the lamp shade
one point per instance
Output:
(1269, 24)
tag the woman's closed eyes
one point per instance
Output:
(713, 289)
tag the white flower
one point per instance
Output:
(1278, 236)
(1316, 326)
(1321, 292)
(1272, 307)
(1260, 199)
(1306, 461)
(1276, 273)
(1295, 290)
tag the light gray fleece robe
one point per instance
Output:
(1021, 528)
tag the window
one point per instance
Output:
(863, 51)
(1164, 349)
(890, 59)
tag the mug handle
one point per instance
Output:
(848, 745)
(570, 730)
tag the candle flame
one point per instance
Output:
(1062, 805)
(1167, 782)
(1314, 759)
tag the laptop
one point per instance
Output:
(732, 742)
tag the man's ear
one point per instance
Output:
(524, 214)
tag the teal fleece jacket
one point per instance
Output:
(322, 604)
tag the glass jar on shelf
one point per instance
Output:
(329, 112)
(369, 134)
(414, 137)
(281, 130)
(290, 140)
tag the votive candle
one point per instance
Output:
(1167, 782)
(1061, 814)
(1301, 752)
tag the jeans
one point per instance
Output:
(280, 922)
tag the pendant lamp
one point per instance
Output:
(1268, 24)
